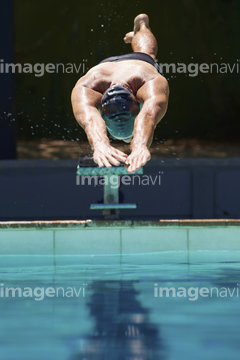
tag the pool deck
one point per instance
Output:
(76, 224)
(117, 237)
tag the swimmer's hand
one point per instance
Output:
(106, 155)
(139, 156)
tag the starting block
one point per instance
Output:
(110, 205)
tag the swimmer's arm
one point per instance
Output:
(154, 94)
(85, 103)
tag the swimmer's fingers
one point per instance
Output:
(106, 160)
(101, 161)
(121, 156)
(107, 155)
(112, 160)
(136, 160)
(133, 166)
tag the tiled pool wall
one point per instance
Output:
(117, 237)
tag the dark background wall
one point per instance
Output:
(77, 31)
(73, 31)
(7, 82)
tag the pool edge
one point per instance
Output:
(75, 224)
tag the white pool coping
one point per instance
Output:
(91, 237)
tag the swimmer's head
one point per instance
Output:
(119, 110)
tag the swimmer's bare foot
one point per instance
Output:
(141, 19)
(128, 37)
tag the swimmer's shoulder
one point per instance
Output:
(97, 78)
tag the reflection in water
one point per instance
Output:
(122, 327)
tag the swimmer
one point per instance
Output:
(126, 97)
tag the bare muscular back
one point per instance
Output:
(132, 74)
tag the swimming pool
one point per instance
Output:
(133, 292)
(118, 314)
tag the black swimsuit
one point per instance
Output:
(135, 56)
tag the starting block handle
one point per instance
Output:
(97, 171)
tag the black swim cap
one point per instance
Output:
(119, 110)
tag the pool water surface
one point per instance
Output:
(168, 305)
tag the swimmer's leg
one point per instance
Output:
(141, 38)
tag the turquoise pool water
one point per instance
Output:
(113, 307)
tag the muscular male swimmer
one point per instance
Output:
(125, 96)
